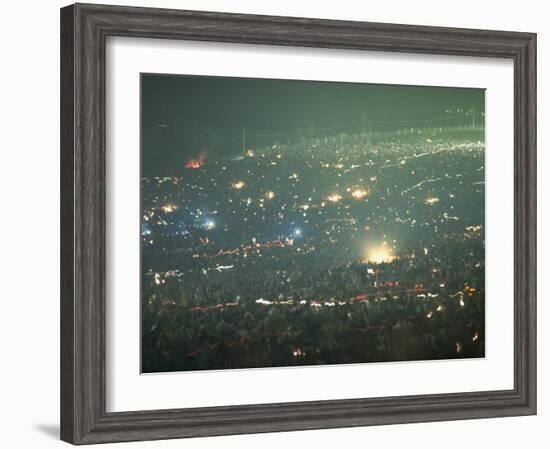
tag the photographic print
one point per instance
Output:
(295, 223)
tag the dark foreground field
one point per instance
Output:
(333, 250)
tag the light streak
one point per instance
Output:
(421, 183)
(221, 268)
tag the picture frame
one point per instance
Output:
(84, 29)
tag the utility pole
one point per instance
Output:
(365, 126)
(244, 140)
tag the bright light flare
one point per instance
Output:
(379, 254)
(359, 193)
(270, 195)
(334, 197)
(169, 208)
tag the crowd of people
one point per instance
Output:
(341, 249)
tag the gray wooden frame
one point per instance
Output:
(84, 29)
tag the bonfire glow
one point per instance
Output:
(198, 162)
(379, 254)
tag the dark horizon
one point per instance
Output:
(183, 115)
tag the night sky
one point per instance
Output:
(184, 115)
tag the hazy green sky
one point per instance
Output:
(223, 106)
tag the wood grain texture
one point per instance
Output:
(84, 29)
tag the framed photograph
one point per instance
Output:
(274, 223)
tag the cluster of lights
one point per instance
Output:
(334, 197)
(158, 279)
(431, 201)
(169, 208)
(238, 185)
(359, 193)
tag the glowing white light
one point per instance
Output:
(210, 224)
(221, 268)
(238, 185)
(379, 254)
(334, 197)
(431, 201)
(359, 193)
(168, 208)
